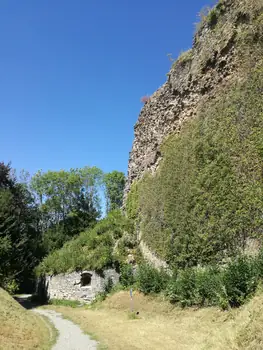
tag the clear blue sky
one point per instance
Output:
(72, 73)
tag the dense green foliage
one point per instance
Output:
(114, 186)
(68, 202)
(150, 280)
(240, 280)
(92, 249)
(19, 235)
(228, 286)
(126, 275)
(38, 215)
(132, 203)
(206, 198)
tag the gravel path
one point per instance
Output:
(70, 336)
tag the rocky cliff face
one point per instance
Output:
(194, 78)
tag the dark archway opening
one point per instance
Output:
(85, 279)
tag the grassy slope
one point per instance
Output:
(22, 329)
(162, 326)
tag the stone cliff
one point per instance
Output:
(216, 58)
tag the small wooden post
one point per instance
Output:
(131, 300)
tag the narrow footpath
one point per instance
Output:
(70, 336)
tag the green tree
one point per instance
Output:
(92, 181)
(114, 186)
(69, 202)
(19, 236)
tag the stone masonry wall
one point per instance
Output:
(70, 286)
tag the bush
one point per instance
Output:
(228, 287)
(171, 288)
(209, 286)
(212, 286)
(11, 286)
(240, 280)
(182, 288)
(99, 298)
(150, 280)
(127, 277)
(259, 264)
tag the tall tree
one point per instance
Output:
(19, 238)
(69, 202)
(114, 187)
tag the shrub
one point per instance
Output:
(240, 280)
(259, 264)
(150, 280)
(171, 288)
(209, 286)
(185, 56)
(11, 286)
(225, 287)
(182, 289)
(101, 296)
(127, 277)
(212, 17)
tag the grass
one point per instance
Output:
(21, 329)
(184, 57)
(65, 302)
(163, 326)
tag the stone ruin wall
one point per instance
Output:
(82, 286)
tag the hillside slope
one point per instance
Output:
(21, 329)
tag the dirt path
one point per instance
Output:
(70, 336)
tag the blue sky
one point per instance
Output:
(72, 74)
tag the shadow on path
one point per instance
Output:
(41, 297)
(25, 300)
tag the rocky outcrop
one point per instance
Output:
(194, 78)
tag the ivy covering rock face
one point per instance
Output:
(206, 199)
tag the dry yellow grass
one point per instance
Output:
(21, 329)
(162, 326)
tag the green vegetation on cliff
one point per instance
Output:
(92, 249)
(205, 200)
